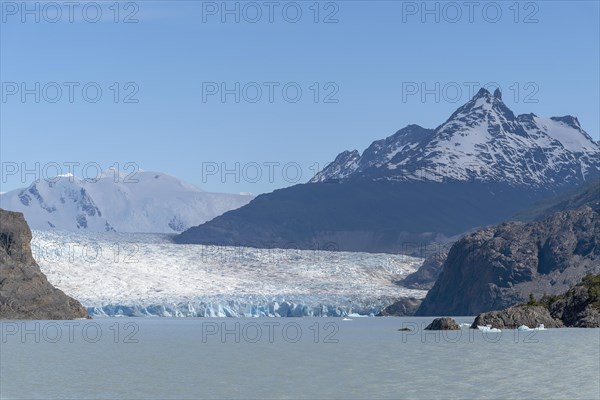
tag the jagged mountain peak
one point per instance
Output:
(482, 141)
(481, 105)
(483, 92)
(486, 94)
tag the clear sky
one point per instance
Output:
(370, 61)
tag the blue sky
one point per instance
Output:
(178, 53)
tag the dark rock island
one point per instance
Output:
(443, 324)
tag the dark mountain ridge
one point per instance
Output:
(364, 216)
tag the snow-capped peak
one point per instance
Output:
(482, 141)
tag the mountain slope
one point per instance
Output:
(363, 216)
(480, 167)
(153, 202)
(483, 141)
(584, 194)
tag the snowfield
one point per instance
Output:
(145, 202)
(148, 275)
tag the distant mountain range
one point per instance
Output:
(483, 141)
(152, 202)
(418, 186)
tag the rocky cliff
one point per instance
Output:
(500, 266)
(580, 306)
(25, 293)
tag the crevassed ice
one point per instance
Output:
(148, 275)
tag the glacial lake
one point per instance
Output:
(229, 358)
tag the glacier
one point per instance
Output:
(146, 275)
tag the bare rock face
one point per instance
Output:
(25, 293)
(402, 308)
(498, 267)
(443, 324)
(426, 275)
(513, 317)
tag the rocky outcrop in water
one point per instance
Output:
(25, 293)
(443, 324)
(498, 267)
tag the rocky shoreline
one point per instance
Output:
(579, 307)
(516, 316)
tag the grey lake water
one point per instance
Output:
(195, 358)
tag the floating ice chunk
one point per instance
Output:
(488, 328)
(464, 325)
(540, 327)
